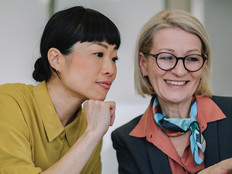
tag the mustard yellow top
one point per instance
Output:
(32, 138)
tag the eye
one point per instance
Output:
(115, 59)
(99, 54)
(166, 57)
(193, 58)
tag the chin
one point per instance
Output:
(98, 97)
(179, 99)
(173, 98)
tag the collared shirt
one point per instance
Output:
(32, 137)
(208, 111)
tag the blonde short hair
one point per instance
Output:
(172, 19)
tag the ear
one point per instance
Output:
(204, 66)
(54, 58)
(143, 63)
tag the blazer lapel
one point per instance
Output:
(158, 160)
(211, 137)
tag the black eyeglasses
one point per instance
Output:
(167, 61)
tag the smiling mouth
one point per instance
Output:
(176, 83)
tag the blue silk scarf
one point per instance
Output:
(171, 126)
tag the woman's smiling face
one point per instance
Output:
(177, 85)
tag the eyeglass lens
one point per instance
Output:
(167, 61)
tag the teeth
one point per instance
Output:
(175, 82)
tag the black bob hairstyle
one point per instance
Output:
(67, 27)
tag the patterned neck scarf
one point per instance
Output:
(178, 126)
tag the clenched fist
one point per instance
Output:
(99, 115)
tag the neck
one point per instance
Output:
(175, 110)
(65, 103)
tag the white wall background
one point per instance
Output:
(22, 23)
(218, 21)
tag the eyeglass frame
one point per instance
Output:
(177, 59)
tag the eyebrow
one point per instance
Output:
(193, 50)
(189, 51)
(105, 46)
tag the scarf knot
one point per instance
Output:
(178, 126)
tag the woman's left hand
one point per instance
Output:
(223, 167)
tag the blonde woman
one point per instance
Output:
(184, 129)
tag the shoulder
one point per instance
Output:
(222, 99)
(224, 103)
(14, 99)
(122, 139)
(125, 129)
(14, 102)
(15, 89)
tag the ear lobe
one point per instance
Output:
(143, 64)
(204, 66)
(54, 58)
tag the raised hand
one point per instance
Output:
(223, 167)
(99, 115)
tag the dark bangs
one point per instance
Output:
(77, 24)
(66, 28)
(95, 27)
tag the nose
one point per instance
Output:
(179, 69)
(109, 67)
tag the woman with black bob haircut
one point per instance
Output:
(44, 128)
(68, 27)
